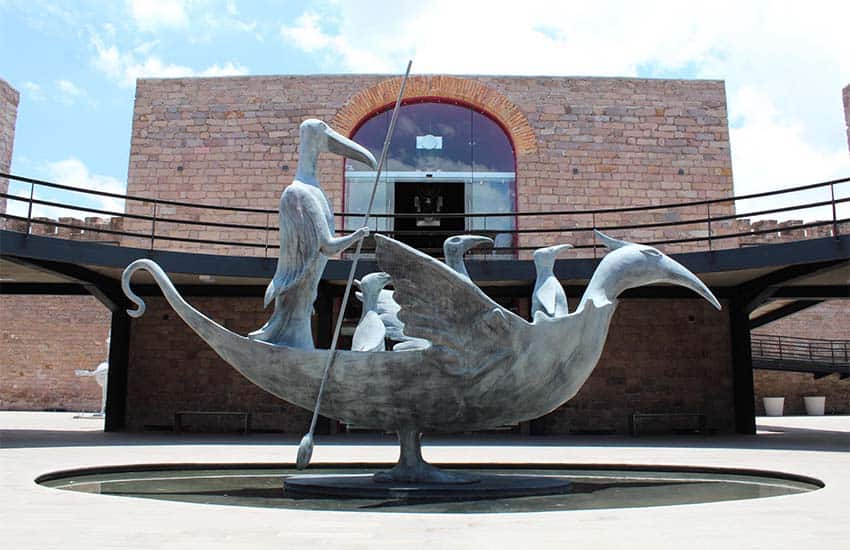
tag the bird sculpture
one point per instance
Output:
(548, 297)
(370, 332)
(453, 250)
(306, 239)
(486, 367)
(455, 247)
(101, 375)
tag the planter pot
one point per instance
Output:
(815, 405)
(773, 405)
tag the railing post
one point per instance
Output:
(153, 225)
(708, 209)
(593, 223)
(266, 249)
(779, 341)
(29, 209)
(834, 215)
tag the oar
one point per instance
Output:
(305, 448)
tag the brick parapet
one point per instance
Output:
(88, 229)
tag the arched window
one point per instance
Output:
(444, 158)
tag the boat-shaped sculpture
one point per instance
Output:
(486, 367)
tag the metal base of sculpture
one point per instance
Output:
(412, 468)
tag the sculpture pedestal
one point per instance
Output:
(488, 486)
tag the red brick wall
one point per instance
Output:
(661, 355)
(171, 369)
(88, 229)
(829, 320)
(8, 114)
(591, 143)
(793, 386)
(43, 340)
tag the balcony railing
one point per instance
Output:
(801, 354)
(695, 225)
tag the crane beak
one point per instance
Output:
(349, 149)
(559, 247)
(678, 274)
(474, 241)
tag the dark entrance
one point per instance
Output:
(427, 232)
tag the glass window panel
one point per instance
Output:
(496, 196)
(466, 146)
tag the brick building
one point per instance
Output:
(570, 143)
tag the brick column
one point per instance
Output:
(9, 98)
(846, 95)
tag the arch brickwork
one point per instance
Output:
(469, 91)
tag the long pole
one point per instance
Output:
(305, 448)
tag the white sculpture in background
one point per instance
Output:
(100, 373)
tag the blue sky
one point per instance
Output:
(75, 64)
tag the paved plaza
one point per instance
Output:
(37, 517)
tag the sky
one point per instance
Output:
(75, 63)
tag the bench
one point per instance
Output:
(700, 418)
(178, 418)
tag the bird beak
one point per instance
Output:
(349, 149)
(474, 241)
(559, 247)
(680, 275)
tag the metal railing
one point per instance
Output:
(800, 354)
(684, 227)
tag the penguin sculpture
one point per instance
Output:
(370, 332)
(455, 247)
(306, 239)
(548, 297)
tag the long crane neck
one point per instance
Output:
(308, 158)
(454, 259)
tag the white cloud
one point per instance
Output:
(152, 15)
(75, 173)
(33, 91)
(796, 57)
(770, 153)
(125, 67)
(228, 69)
(69, 92)
(307, 35)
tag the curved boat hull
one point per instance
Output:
(393, 390)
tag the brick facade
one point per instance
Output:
(41, 352)
(9, 98)
(581, 143)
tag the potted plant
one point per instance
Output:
(773, 405)
(814, 404)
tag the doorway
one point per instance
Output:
(427, 232)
